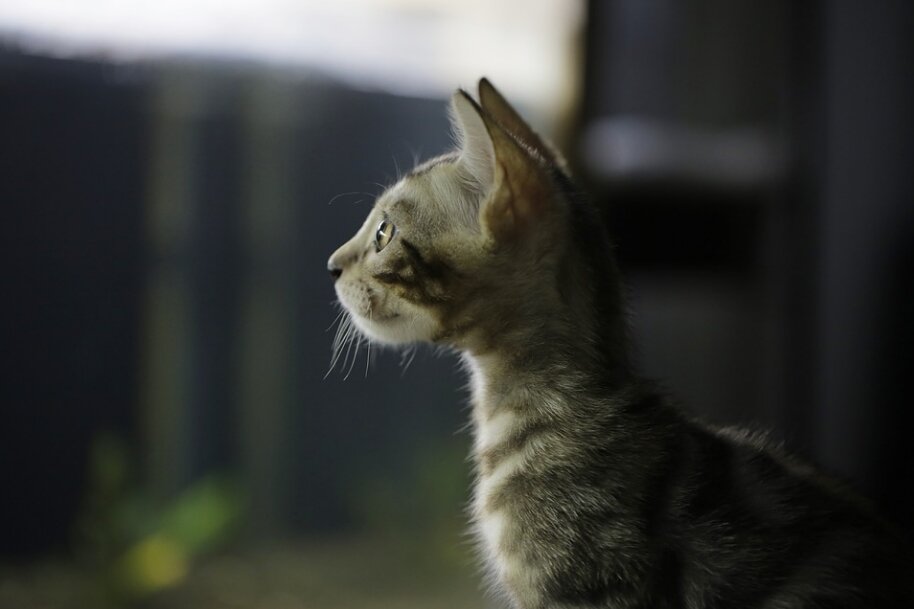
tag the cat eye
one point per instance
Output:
(386, 231)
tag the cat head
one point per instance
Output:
(468, 246)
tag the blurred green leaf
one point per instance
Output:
(202, 516)
(139, 546)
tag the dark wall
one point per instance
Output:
(866, 234)
(71, 234)
(818, 252)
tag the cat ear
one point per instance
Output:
(522, 191)
(495, 104)
(516, 186)
(477, 154)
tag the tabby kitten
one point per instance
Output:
(592, 490)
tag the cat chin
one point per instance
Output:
(396, 329)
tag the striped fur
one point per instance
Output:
(592, 489)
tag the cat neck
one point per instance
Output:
(544, 373)
(565, 342)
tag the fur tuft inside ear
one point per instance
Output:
(477, 153)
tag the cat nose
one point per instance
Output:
(335, 271)
(339, 260)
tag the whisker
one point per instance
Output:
(336, 336)
(335, 319)
(342, 334)
(407, 358)
(350, 339)
(336, 357)
(404, 353)
(355, 355)
(346, 194)
(341, 331)
(416, 154)
(368, 351)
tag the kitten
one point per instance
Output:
(592, 490)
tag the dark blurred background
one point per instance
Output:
(167, 434)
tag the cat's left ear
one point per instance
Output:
(515, 183)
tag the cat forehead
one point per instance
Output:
(432, 192)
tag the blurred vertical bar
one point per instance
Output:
(267, 301)
(176, 106)
(192, 306)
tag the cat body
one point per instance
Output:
(592, 489)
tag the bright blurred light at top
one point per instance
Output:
(411, 46)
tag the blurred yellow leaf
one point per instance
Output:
(153, 564)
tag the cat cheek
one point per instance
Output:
(355, 298)
(379, 307)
